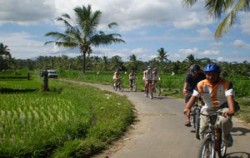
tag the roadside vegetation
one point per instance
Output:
(67, 121)
(171, 85)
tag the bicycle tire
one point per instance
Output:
(197, 123)
(135, 88)
(115, 87)
(158, 90)
(206, 149)
(121, 87)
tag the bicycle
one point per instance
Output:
(134, 86)
(212, 141)
(156, 89)
(195, 118)
(118, 85)
(148, 90)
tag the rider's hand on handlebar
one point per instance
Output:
(228, 113)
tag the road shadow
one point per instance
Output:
(239, 131)
(238, 155)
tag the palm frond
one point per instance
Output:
(215, 7)
(225, 25)
(110, 25)
(189, 3)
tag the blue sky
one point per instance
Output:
(145, 27)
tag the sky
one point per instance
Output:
(146, 26)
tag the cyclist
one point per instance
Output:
(147, 76)
(116, 76)
(192, 78)
(155, 76)
(216, 92)
(132, 76)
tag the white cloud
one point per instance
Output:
(245, 23)
(216, 44)
(26, 11)
(188, 51)
(205, 33)
(211, 52)
(139, 51)
(241, 44)
(220, 59)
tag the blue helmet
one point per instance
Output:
(155, 68)
(212, 68)
(148, 67)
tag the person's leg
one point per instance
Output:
(226, 126)
(188, 124)
(130, 83)
(146, 87)
(203, 123)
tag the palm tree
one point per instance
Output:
(82, 33)
(5, 51)
(162, 55)
(217, 7)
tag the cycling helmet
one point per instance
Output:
(155, 68)
(194, 68)
(148, 67)
(212, 68)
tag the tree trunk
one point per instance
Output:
(84, 62)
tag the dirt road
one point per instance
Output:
(160, 131)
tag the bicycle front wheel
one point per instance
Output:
(197, 123)
(158, 90)
(206, 149)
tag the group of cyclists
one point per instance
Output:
(214, 92)
(150, 78)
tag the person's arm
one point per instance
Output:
(189, 104)
(230, 102)
(185, 88)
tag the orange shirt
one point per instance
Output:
(214, 96)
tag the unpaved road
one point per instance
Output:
(160, 131)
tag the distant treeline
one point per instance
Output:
(95, 63)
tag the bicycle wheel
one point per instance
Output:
(134, 87)
(192, 116)
(115, 86)
(197, 123)
(151, 96)
(121, 87)
(206, 149)
(158, 90)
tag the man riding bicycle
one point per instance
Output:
(193, 77)
(218, 95)
(147, 77)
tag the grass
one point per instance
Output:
(67, 121)
(171, 85)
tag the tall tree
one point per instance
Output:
(162, 55)
(82, 33)
(217, 7)
(5, 57)
(4, 51)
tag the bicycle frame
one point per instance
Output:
(213, 138)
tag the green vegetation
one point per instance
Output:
(67, 121)
(171, 85)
